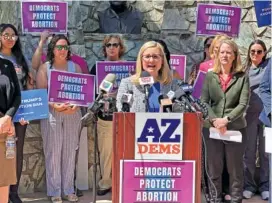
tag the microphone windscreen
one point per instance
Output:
(107, 84)
(145, 74)
(110, 78)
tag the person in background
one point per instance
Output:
(255, 67)
(265, 116)
(206, 57)
(265, 94)
(152, 59)
(60, 130)
(11, 50)
(226, 95)
(113, 49)
(10, 95)
(39, 56)
(168, 55)
(208, 65)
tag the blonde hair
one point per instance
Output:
(217, 39)
(164, 73)
(236, 64)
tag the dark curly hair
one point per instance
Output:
(17, 52)
(51, 46)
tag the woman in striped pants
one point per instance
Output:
(60, 130)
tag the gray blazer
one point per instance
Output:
(138, 104)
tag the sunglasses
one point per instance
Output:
(155, 57)
(10, 37)
(61, 47)
(115, 45)
(256, 51)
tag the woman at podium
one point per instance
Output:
(226, 94)
(151, 59)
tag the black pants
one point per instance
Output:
(216, 151)
(255, 134)
(20, 131)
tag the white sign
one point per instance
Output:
(159, 136)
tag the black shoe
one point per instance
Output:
(101, 192)
(14, 198)
(79, 193)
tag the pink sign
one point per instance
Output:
(199, 84)
(39, 16)
(214, 19)
(157, 181)
(178, 63)
(73, 88)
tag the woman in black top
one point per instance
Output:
(11, 50)
(10, 100)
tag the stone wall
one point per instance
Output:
(173, 21)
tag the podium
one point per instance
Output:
(124, 147)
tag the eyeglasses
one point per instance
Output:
(10, 37)
(61, 47)
(155, 57)
(256, 51)
(115, 45)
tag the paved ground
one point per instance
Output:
(87, 198)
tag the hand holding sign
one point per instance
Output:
(22, 121)
(71, 109)
(61, 107)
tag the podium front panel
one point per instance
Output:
(124, 147)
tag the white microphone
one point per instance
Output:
(106, 85)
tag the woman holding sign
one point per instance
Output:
(256, 64)
(226, 94)
(113, 49)
(151, 58)
(60, 130)
(11, 50)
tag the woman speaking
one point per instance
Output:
(151, 58)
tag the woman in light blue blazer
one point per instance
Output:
(151, 58)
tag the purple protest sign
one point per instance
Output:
(40, 16)
(213, 19)
(121, 69)
(178, 63)
(74, 88)
(199, 84)
(157, 181)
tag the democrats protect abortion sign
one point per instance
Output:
(213, 19)
(157, 181)
(73, 88)
(122, 69)
(44, 15)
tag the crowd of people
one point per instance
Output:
(238, 97)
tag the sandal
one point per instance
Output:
(71, 198)
(227, 198)
(56, 200)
